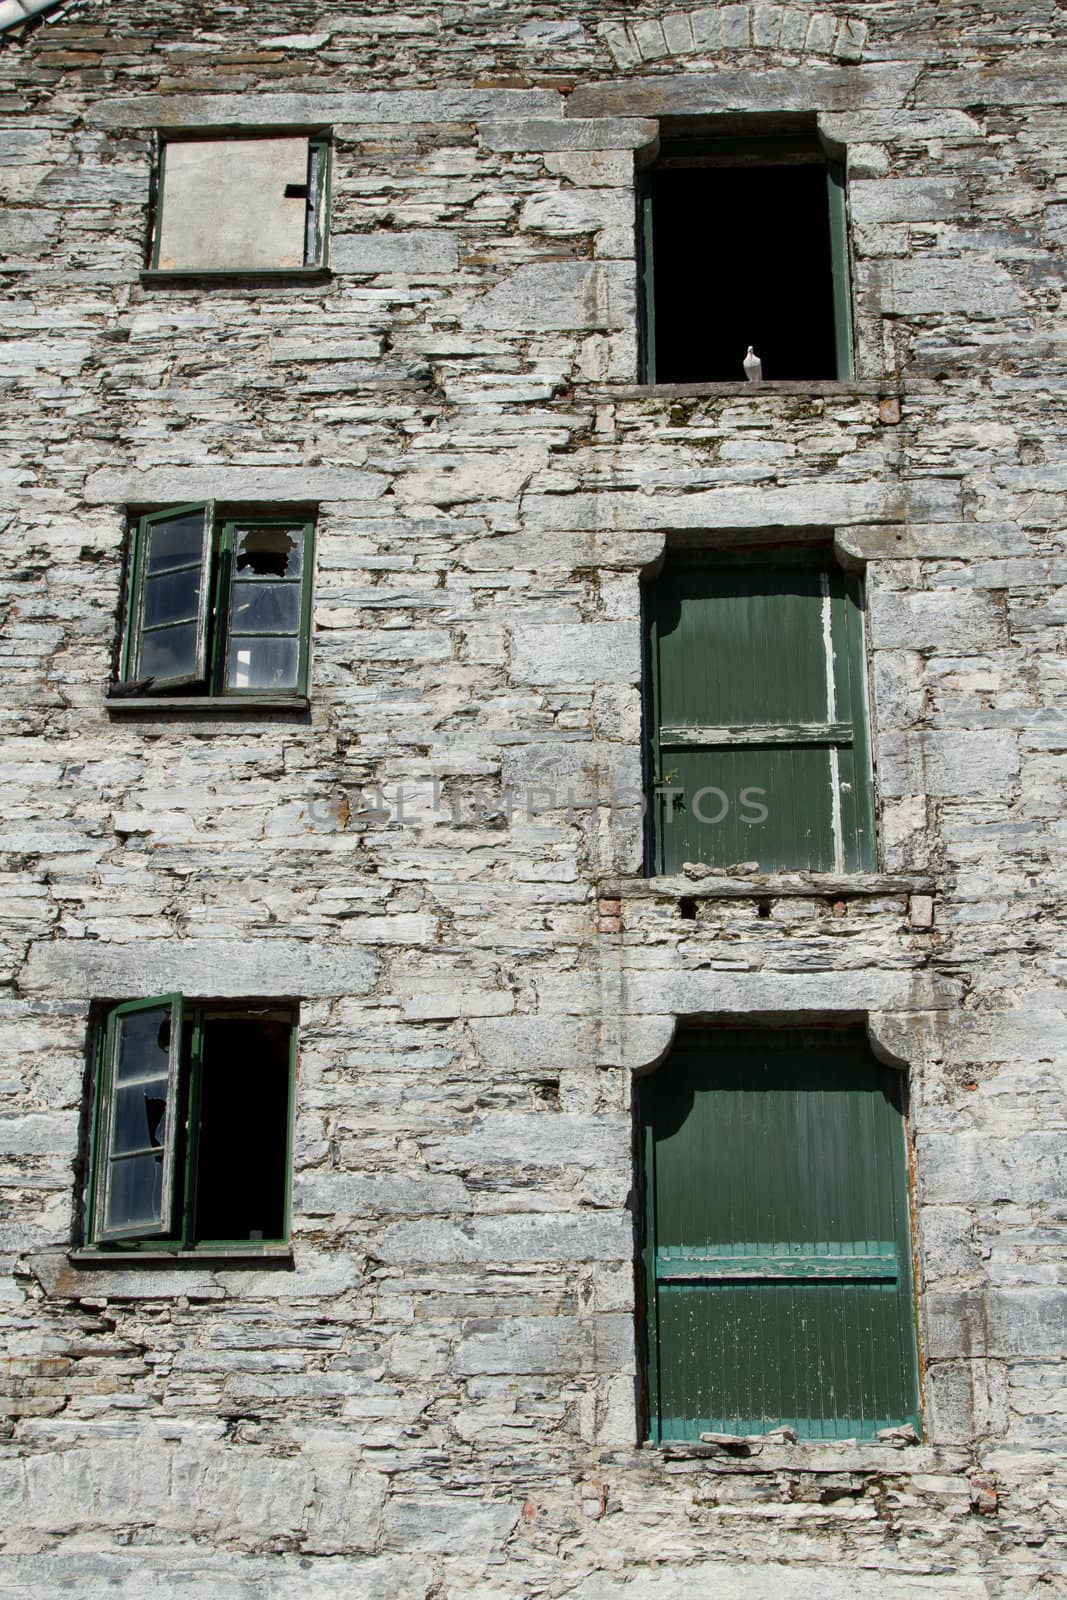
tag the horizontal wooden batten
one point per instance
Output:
(781, 1262)
(674, 736)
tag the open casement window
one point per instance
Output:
(231, 205)
(219, 607)
(191, 1124)
(744, 242)
(136, 1119)
(756, 711)
(776, 1240)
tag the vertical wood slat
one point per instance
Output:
(836, 195)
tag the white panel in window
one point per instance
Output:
(224, 205)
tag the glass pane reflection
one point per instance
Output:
(263, 663)
(172, 597)
(266, 607)
(176, 542)
(169, 652)
(144, 1045)
(135, 1193)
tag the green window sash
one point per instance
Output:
(266, 569)
(170, 597)
(136, 1120)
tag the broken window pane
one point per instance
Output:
(224, 205)
(270, 553)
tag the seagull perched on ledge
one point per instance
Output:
(753, 366)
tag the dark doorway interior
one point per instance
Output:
(742, 256)
(244, 1128)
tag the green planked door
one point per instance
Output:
(757, 714)
(777, 1242)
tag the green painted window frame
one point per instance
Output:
(176, 1231)
(317, 216)
(748, 152)
(215, 631)
(754, 1265)
(847, 731)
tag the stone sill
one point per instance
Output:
(259, 1255)
(156, 277)
(815, 1456)
(824, 885)
(833, 389)
(206, 704)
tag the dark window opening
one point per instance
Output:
(743, 246)
(243, 1127)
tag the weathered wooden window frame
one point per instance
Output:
(734, 152)
(175, 1231)
(742, 1261)
(214, 619)
(317, 214)
(847, 666)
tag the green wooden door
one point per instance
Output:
(757, 714)
(777, 1242)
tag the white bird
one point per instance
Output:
(753, 366)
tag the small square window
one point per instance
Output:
(190, 1131)
(756, 704)
(218, 606)
(744, 242)
(234, 205)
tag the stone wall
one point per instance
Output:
(441, 860)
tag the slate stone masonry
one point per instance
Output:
(441, 859)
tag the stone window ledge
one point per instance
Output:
(707, 885)
(206, 704)
(257, 277)
(213, 1258)
(832, 389)
(816, 1456)
(88, 1273)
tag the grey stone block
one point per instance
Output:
(380, 1194)
(402, 253)
(577, 1346)
(167, 485)
(447, 1523)
(980, 1169)
(199, 968)
(497, 1240)
(574, 653)
(596, 133)
(313, 110)
(557, 295)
